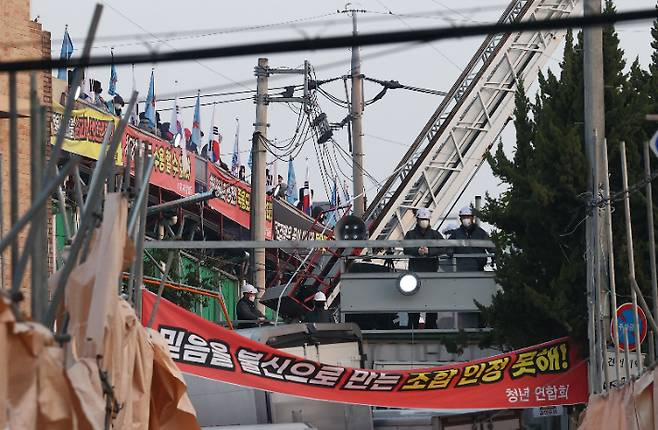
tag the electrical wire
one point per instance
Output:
(379, 38)
(208, 103)
(432, 14)
(430, 44)
(212, 32)
(347, 157)
(324, 66)
(127, 18)
(193, 94)
(396, 85)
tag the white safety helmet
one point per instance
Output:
(248, 288)
(466, 211)
(423, 213)
(320, 297)
(449, 227)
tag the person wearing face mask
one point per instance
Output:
(246, 309)
(468, 229)
(426, 259)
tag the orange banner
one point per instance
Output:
(552, 373)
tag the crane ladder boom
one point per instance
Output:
(452, 145)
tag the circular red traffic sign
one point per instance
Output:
(626, 320)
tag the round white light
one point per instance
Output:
(408, 284)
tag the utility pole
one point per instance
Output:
(594, 134)
(357, 125)
(258, 160)
(258, 199)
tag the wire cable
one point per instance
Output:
(208, 103)
(379, 38)
(127, 18)
(434, 48)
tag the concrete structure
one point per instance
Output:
(22, 38)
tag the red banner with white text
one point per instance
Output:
(168, 171)
(234, 198)
(552, 373)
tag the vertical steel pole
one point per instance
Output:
(38, 285)
(134, 211)
(631, 257)
(652, 237)
(2, 223)
(627, 354)
(70, 99)
(652, 348)
(139, 276)
(610, 256)
(13, 164)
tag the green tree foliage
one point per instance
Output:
(540, 219)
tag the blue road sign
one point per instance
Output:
(626, 321)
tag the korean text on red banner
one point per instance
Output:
(552, 373)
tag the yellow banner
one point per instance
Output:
(85, 131)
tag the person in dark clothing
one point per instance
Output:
(279, 189)
(468, 229)
(319, 314)
(426, 258)
(246, 308)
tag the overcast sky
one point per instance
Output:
(390, 125)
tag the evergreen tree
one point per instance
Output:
(540, 219)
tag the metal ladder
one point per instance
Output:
(452, 145)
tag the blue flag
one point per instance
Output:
(65, 53)
(235, 160)
(291, 191)
(195, 141)
(149, 112)
(112, 89)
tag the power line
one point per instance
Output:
(127, 18)
(209, 103)
(434, 48)
(432, 14)
(455, 11)
(218, 94)
(169, 37)
(379, 38)
(396, 85)
(207, 90)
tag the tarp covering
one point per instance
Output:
(634, 406)
(552, 373)
(48, 386)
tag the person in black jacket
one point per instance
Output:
(246, 308)
(319, 314)
(426, 258)
(468, 229)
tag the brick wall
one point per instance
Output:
(21, 39)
